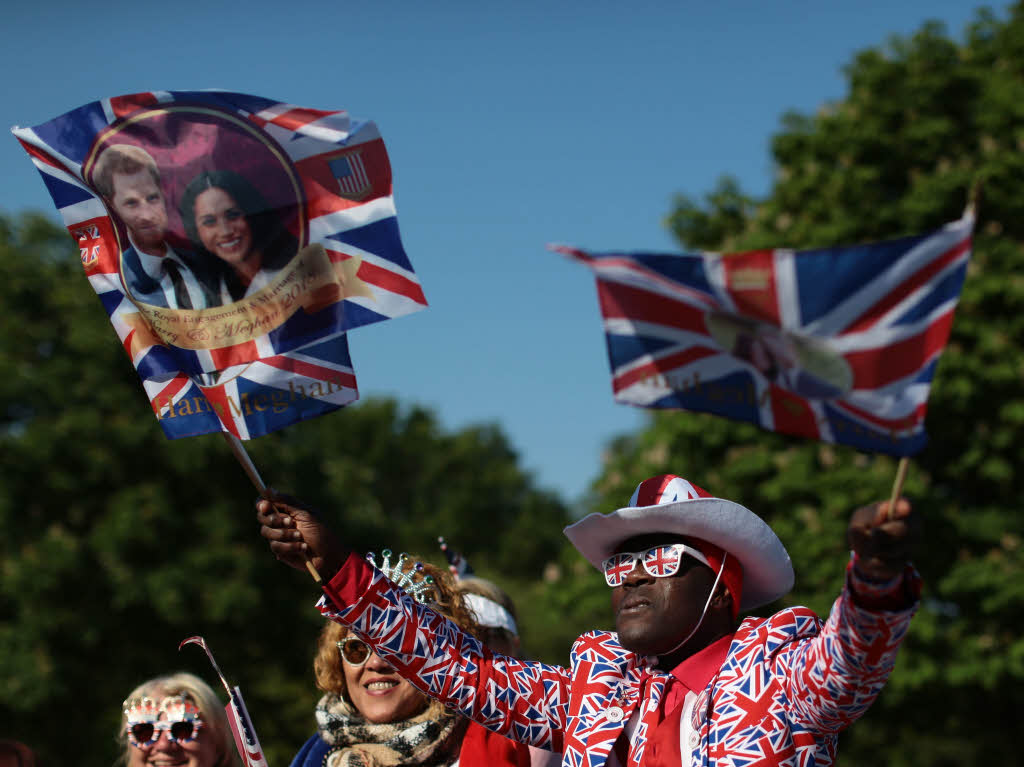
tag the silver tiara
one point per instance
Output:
(408, 578)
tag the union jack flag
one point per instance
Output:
(256, 398)
(278, 354)
(837, 344)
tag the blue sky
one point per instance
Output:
(509, 126)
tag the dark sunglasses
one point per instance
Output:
(355, 652)
(182, 720)
(144, 733)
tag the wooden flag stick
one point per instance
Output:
(897, 486)
(974, 197)
(250, 468)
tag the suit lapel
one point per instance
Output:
(606, 692)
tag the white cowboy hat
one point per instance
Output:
(670, 504)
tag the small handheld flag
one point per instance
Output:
(242, 729)
(838, 344)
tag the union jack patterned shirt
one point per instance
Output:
(790, 682)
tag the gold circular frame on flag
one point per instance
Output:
(185, 140)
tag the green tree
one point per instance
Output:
(119, 543)
(923, 119)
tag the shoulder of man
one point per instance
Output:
(598, 647)
(140, 283)
(131, 265)
(779, 628)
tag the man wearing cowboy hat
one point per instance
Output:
(679, 682)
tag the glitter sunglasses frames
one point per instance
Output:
(181, 721)
(658, 561)
(355, 652)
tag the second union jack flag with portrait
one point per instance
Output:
(838, 344)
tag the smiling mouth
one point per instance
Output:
(382, 685)
(166, 762)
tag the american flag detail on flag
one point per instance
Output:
(246, 742)
(839, 344)
(233, 241)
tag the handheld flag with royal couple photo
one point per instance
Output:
(233, 241)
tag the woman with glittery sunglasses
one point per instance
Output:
(372, 717)
(175, 719)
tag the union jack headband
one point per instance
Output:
(670, 504)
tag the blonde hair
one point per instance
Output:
(447, 600)
(215, 721)
(121, 158)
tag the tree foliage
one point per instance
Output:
(923, 120)
(119, 543)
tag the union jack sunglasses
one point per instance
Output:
(659, 561)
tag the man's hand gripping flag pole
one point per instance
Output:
(250, 469)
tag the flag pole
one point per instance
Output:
(973, 197)
(250, 469)
(897, 486)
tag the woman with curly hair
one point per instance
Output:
(371, 717)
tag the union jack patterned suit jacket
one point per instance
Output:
(789, 683)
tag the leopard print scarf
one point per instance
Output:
(431, 738)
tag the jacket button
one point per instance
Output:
(613, 714)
